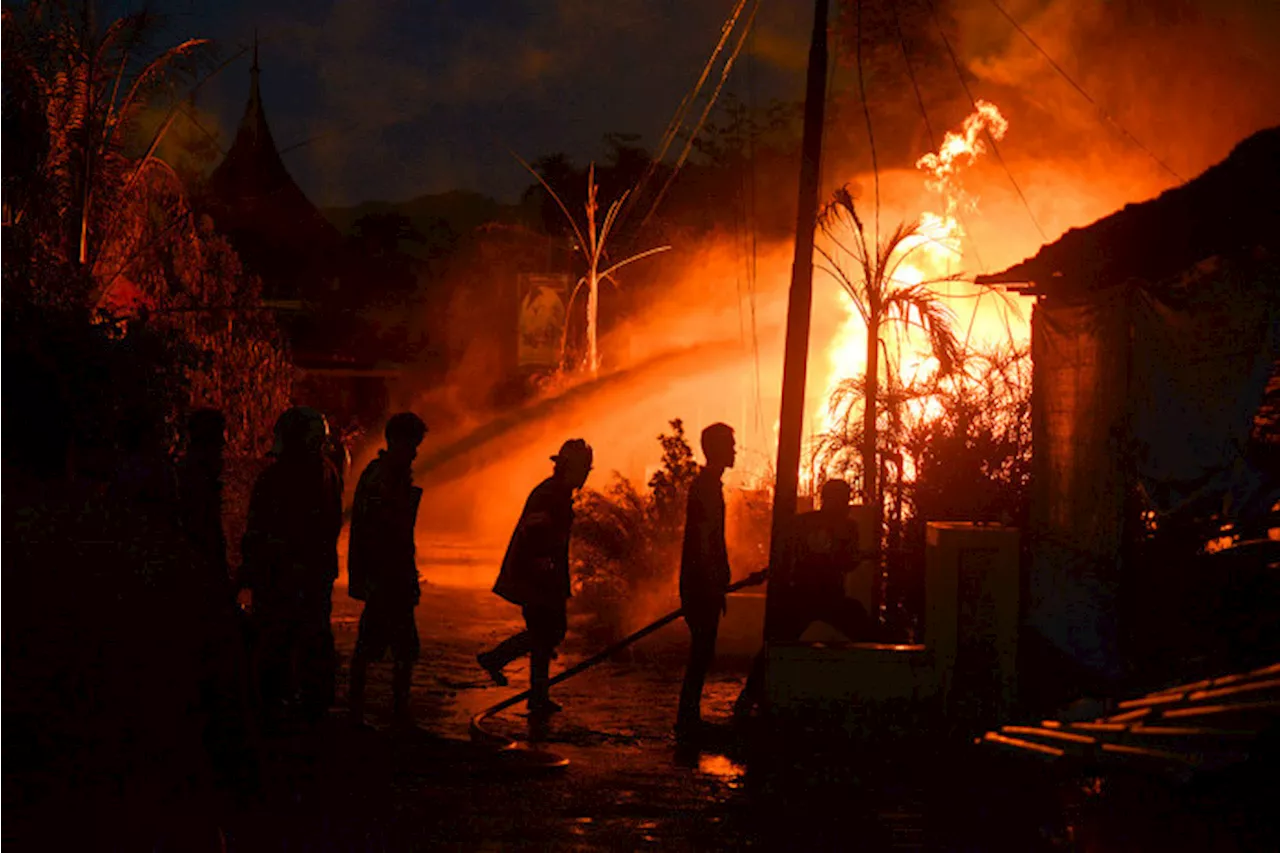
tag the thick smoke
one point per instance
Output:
(1187, 79)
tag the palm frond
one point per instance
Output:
(573, 223)
(640, 256)
(152, 75)
(918, 306)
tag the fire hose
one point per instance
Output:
(501, 742)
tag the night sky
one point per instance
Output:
(390, 99)
(401, 98)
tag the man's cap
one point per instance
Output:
(574, 448)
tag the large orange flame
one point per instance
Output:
(935, 251)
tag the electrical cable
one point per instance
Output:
(752, 225)
(677, 120)
(866, 111)
(1085, 95)
(995, 149)
(706, 111)
(933, 143)
(915, 84)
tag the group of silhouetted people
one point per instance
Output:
(290, 563)
(159, 524)
(289, 551)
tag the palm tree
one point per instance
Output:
(866, 269)
(592, 240)
(74, 95)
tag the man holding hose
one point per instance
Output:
(535, 574)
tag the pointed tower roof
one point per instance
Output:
(277, 231)
(253, 166)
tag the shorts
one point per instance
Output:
(388, 626)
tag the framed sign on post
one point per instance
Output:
(543, 309)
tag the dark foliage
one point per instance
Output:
(626, 542)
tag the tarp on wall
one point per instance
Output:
(1079, 353)
(1203, 353)
(1140, 386)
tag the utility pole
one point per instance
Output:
(800, 303)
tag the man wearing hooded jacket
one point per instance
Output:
(290, 550)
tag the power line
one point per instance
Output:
(677, 120)
(915, 84)
(212, 137)
(933, 143)
(1084, 94)
(750, 178)
(682, 111)
(871, 137)
(995, 149)
(697, 128)
(933, 140)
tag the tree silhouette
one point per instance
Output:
(867, 271)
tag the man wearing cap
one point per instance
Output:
(535, 574)
(290, 551)
(704, 571)
(382, 567)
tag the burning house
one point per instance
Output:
(1155, 340)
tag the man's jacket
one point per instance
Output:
(200, 512)
(535, 569)
(295, 516)
(704, 560)
(381, 560)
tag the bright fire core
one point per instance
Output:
(937, 250)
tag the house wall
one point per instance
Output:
(1079, 350)
(1144, 404)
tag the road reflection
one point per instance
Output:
(720, 767)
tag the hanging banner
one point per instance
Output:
(543, 301)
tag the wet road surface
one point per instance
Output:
(628, 787)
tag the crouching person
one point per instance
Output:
(382, 568)
(819, 550)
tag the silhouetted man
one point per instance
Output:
(819, 549)
(704, 570)
(290, 549)
(382, 567)
(144, 471)
(200, 488)
(535, 574)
